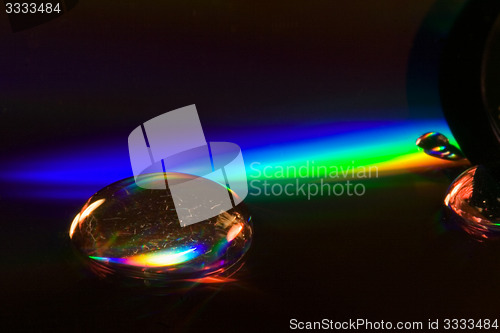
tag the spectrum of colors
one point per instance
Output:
(171, 257)
(79, 171)
(155, 259)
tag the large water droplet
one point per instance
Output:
(437, 145)
(129, 230)
(474, 197)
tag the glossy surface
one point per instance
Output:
(475, 199)
(437, 145)
(129, 230)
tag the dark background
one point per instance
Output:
(104, 67)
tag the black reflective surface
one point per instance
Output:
(103, 68)
(377, 257)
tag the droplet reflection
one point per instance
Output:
(128, 230)
(437, 145)
(474, 197)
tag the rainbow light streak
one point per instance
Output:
(78, 171)
(173, 257)
(439, 148)
(387, 146)
(219, 248)
(155, 259)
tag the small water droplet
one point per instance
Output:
(125, 230)
(474, 197)
(437, 145)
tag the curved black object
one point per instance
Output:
(422, 81)
(467, 79)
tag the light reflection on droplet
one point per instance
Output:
(474, 198)
(86, 211)
(437, 145)
(234, 231)
(128, 230)
(155, 259)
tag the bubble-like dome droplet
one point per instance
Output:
(134, 231)
(475, 199)
(437, 145)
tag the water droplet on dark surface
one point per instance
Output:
(474, 198)
(437, 145)
(132, 231)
